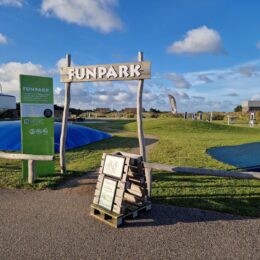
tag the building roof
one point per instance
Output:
(6, 95)
(251, 103)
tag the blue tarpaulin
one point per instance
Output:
(241, 156)
(10, 136)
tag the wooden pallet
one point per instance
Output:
(113, 219)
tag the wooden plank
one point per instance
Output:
(125, 168)
(14, 156)
(106, 72)
(138, 193)
(98, 185)
(120, 192)
(96, 199)
(203, 171)
(118, 201)
(100, 177)
(117, 209)
(65, 117)
(123, 179)
(121, 185)
(148, 177)
(97, 192)
(132, 156)
(137, 181)
(132, 198)
(108, 217)
(135, 174)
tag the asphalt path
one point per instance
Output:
(56, 224)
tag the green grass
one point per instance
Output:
(79, 162)
(206, 192)
(181, 143)
(184, 143)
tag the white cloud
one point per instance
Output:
(181, 95)
(255, 97)
(178, 80)
(15, 3)
(3, 39)
(232, 94)
(62, 63)
(96, 14)
(9, 75)
(248, 70)
(199, 98)
(199, 40)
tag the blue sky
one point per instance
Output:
(204, 52)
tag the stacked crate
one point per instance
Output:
(131, 194)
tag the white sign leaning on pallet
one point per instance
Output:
(121, 190)
(107, 194)
(114, 166)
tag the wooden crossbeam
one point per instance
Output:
(203, 171)
(31, 161)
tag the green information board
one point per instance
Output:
(37, 121)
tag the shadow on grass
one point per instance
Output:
(108, 125)
(163, 215)
(116, 142)
(195, 198)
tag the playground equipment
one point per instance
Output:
(77, 136)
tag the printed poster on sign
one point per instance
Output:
(107, 194)
(114, 166)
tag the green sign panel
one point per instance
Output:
(37, 121)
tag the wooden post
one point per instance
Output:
(139, 113)
(148, 176)
(203, 171)
(31, 171)
(65, 121)
(31, 162)
(140, 129)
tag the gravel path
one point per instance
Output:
(55, 224)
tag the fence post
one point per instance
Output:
(31, 171)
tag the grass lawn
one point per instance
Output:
(180, 143)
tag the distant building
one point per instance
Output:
(58, 113)
(250, 105)
(102, 110)
(131, 110)
(7, 102)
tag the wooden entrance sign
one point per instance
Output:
(120, 71)
(121, 189)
